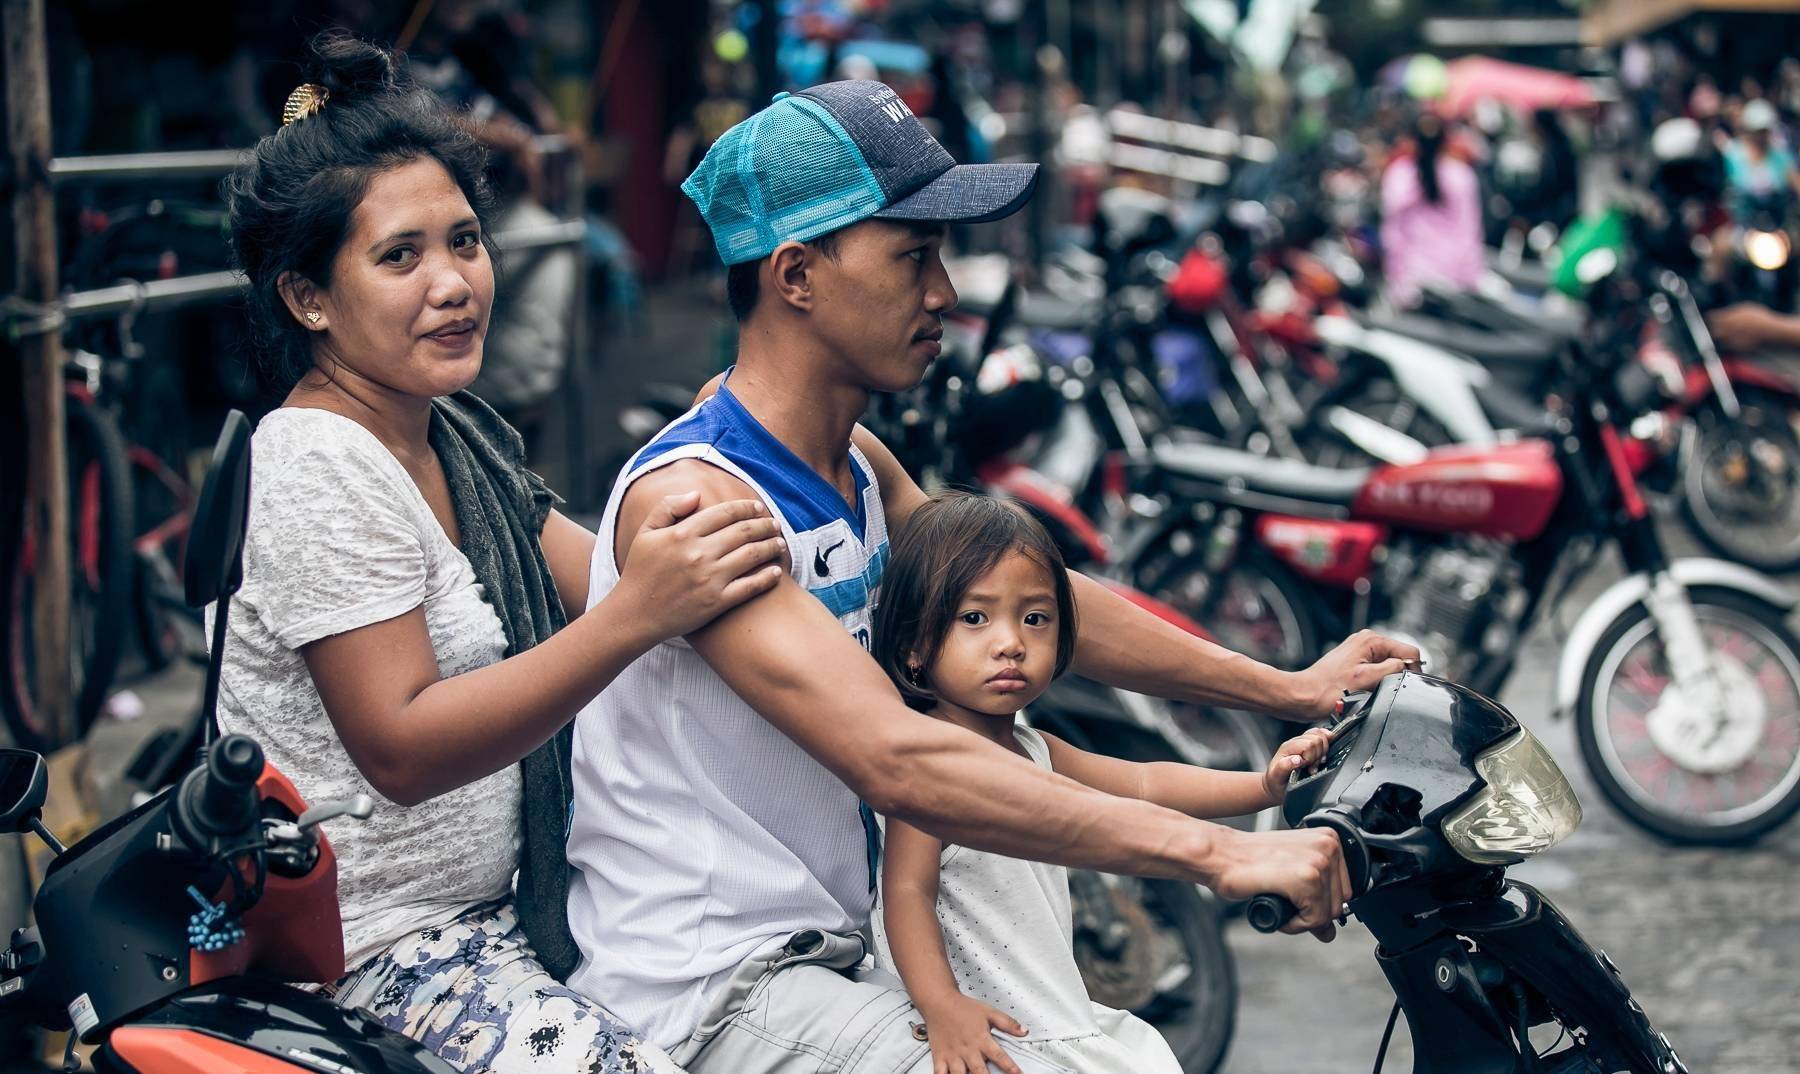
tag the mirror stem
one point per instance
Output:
(49, 837)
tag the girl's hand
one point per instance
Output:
(962, 1041)
(1294, 755)
(682, 572)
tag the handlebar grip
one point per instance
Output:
(226, 802)
(1268, 913)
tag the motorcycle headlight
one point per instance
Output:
(1526, 808)
(1767, 250)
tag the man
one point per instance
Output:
(725, 859)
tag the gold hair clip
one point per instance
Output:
(305, 101)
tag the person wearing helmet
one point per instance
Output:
(1759, 166)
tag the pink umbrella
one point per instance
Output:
(1473, 78)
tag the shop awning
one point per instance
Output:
(1607, 22)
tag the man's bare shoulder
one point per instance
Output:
(714, 484)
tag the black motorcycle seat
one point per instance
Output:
(1236, 470)
(1489, 348)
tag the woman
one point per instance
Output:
(368, 653)
(1430, 218)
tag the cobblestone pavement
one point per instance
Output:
(1708, 940)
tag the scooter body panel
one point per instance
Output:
(1527, 934)
(289, 1029)
(1508, 490)
(294, 932)
(1631, 590)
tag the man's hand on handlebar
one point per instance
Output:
(1303, 865)
(1360, 662)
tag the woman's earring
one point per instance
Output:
(914, 673)
(312, 318)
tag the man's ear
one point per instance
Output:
(302, 300)
(790, 274)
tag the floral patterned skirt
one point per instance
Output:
(472, 991)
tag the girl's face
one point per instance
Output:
(1000, 651)
(411, 287)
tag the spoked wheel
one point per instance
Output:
(1741, 484)
(1155, 948)
(1253, 606)
(1714, 762)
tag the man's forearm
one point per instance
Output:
(1123, 645)
(963, 789)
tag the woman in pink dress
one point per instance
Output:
(1430, 217)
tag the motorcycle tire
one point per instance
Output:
(1772, 419)
(100, 521)
(1196, 1014)
(1621, 788)
(1172, 569)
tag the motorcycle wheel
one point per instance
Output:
(1744, 780)
(1740, 486)
(1255, 606)
(100, 556)
(1157, 949)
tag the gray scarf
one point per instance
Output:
(500, 509)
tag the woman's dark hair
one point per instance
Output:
(1428, 133)
(945, 547)
(292, 202)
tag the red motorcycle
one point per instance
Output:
(170, 936)
(1683, 678)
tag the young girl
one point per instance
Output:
(976, 618)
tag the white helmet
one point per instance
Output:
(1677, 140)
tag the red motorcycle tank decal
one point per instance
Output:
(1334, 553)
(1505, 490)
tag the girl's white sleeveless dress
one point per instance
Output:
(1008, 933)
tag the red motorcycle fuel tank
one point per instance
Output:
(1502, 490)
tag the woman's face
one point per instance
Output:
(411, 288)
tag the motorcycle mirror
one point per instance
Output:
(214, 567)
(24, 784)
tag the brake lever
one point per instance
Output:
(362, 807)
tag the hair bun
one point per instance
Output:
(351, 68)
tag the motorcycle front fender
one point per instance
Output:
(1600, 614)
(1527, 934)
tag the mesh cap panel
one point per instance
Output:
(788, 173)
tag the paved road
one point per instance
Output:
(1708, 940)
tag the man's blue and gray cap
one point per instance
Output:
(827, 157)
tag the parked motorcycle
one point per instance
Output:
(168, 935)
(1433, 791)
(1683, 677)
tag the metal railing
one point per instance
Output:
(132, 296)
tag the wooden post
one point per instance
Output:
(41, 357)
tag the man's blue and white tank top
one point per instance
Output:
(702, 835)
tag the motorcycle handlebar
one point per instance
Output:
(1271, 913)
(221, 796)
